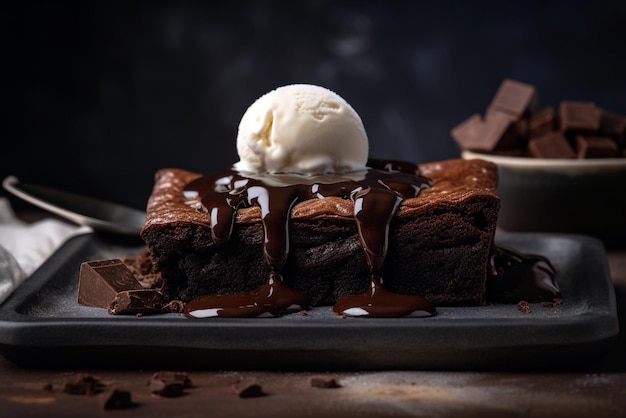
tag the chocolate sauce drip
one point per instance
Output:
(513, 277)
(377, 194)
(381, 303)
(274, 298)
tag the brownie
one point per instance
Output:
(439, 242)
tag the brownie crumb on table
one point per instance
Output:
(524, 306)
(118, 399)
(247, 388)
(83, 385)
(169, 384)
(325, 382)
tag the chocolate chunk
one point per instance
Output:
(169, 384)
(496, 133)
(613, 124)
(467, 132)
(579, 117)
(100, 281)
(248, 388)
(551, 145)
(118, 399)
(541, 123)
(143, 301)
(324, 382)
(499, 133)
(596, 147)
(514, 98)
(83, 385)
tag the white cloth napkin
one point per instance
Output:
(25, 246)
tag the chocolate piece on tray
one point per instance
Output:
(596, 147)
(514, 98)
(136, 302)
(579, 117)
(100, 281)
(551, 145)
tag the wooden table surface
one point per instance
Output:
(599, 391)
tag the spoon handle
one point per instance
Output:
(82, 210)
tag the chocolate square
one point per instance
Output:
(541, 123)
(613, 124)
(596, 147)
(100, 281)
(514, 98)
(499, 133)
(579, 117)
(466, 133)
(551, 145)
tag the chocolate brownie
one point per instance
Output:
(438, 248)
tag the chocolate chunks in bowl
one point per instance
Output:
(511, 126)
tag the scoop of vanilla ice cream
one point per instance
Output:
(302, 129)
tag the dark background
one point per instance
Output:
(98, 95)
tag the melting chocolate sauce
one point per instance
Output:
(514, 276)
(377, 194)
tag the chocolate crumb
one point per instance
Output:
(174, 306)
(83, 385)
(169, 384)
(524, 306)
(552, 303)
(143, 301)
(324, 382)
(248, 388)
(118, 399)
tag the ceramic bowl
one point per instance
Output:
(562, 195)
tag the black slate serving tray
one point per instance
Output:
(41, 325)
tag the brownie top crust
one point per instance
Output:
(452, 181)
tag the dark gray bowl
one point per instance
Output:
(564, 196)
